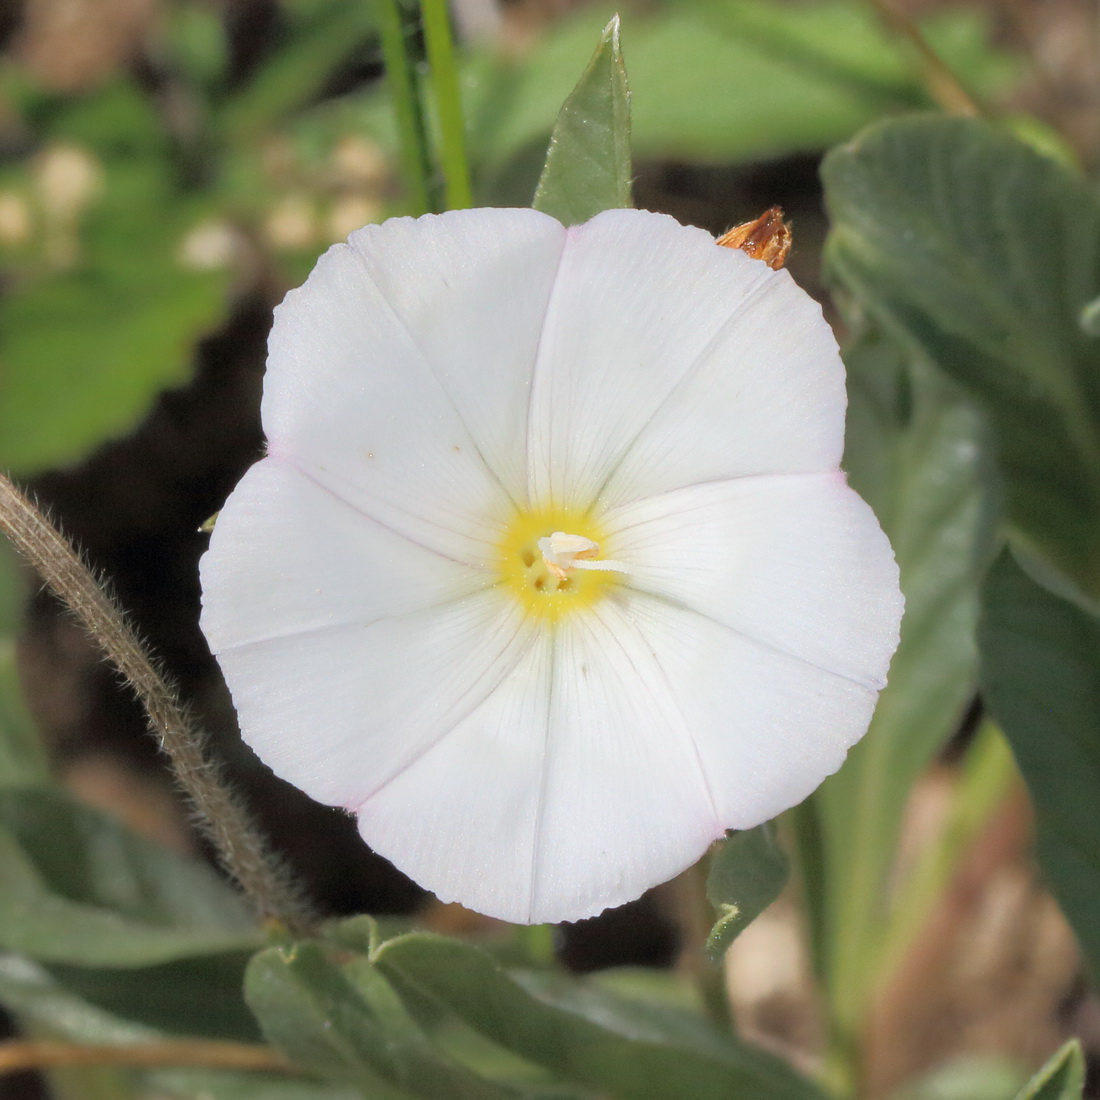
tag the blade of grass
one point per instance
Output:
(416, 163)
(444, 84)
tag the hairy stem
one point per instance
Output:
(230, 827)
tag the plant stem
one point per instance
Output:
(443, 77)
(21, 1055)
(416, 161)
(943, 85)
(230, 827)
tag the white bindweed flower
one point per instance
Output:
(550, 574)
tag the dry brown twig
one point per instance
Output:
(21, 1055)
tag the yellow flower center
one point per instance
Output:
(552, 560)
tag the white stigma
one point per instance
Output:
(563, 552)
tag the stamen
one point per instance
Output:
(562, 552)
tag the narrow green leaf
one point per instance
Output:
(584, 1034)
(588, 163)
(347, 1024)
(968, 244)
(1041, 677)
(55, 1011)
(408, 111)
(1062, 1078)
(447, 94)
(78, 888)
(22, 758)
(987, 777)
(746, 875)
(199, 995)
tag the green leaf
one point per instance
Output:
(1062, 1078)
(54, 1011)
(584, 1034)
(746, 875)
(201, 995)
(108, 312)
(720, 81)
(346, 1024)
(966, 243)
(78, 888)
(1041, 678)
(86, 353)
(588, 163)
(914, 451)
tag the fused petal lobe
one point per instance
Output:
(440, 384)
(666, 360)
(796, 562)
(398, 373)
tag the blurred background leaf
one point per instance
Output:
(914, 451)
(80, 888)
(51, 1010)
(1041, 676)
(107, 310)
(934, 227)
(718, 81)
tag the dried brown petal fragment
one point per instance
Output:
(767, 238)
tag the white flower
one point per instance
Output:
(550, 574)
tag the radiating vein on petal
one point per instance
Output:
(339, 713)
(387, 383)
(287, 557)
(625, 803)
(461, 819)
(637, 299)
(768, 727)
(668, 360)
(766, 396)
(472, 290)
(799, 563)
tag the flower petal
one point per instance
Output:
(768, 727)
(461, 821)
(797, 563)
(574, 787)
(625, 802)
(398, 373)
(341, 711)
(667, 360)
(288, 557)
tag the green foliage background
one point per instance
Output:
(964, 264)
